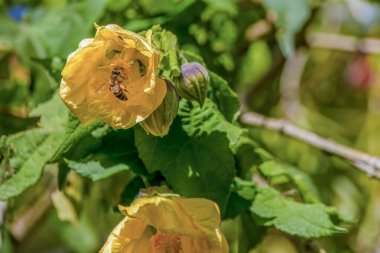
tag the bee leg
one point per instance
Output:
(122, 87)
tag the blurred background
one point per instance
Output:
(313, 62)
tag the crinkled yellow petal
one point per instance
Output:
(85, 86)
(129, 236)
(196, 219)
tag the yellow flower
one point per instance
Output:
(163, 224)
(113, 78)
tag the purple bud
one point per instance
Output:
(194, 83)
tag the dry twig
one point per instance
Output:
(363, 161)
(343, 42)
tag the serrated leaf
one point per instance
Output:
(197, 120)
(306, 220)
(194, 166)
(94, 170)
(290, 16)
(302, 181)
(167, 45)
(31, 168)
(34, 148)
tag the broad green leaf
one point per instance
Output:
(44, 84)
(53, 113)
(22, 144)
(166, 43)
(118, 147)
(34, 148)
(168, 7)
(290, 16)
(197, 120)
(74, 132)
(226, 99)
(194, 166)
(246, 157)
(74, 21)
(305, 220)
(227, 6)
(242, 194)
(30, 169)
(94, 170)
(300, 179)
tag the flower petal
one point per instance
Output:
(130, 235)
(196, 218)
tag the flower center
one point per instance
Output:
(165, 243)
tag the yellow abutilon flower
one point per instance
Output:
(113, 78)
(163, 224)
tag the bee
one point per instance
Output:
(118, 76)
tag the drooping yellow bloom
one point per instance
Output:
(93, 89)
(162, 224)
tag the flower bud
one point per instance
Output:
(195, 82)
(159, 122)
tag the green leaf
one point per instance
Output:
(197, 120)
(242, 194)
(306, 220)
(44, 84)
(53, 113)
(168, 7)
(118, 147)
(167, 45)
(94, 170)
(226, 99)
(190, 56)
(194, 166)
(74, 132)
(75, 21)
(300, 179)
(30, 168)
(290, 16)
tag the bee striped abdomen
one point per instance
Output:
(121, 96)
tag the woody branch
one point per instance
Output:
(363, 161)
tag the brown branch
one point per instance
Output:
(363, 161)
(343, 42)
